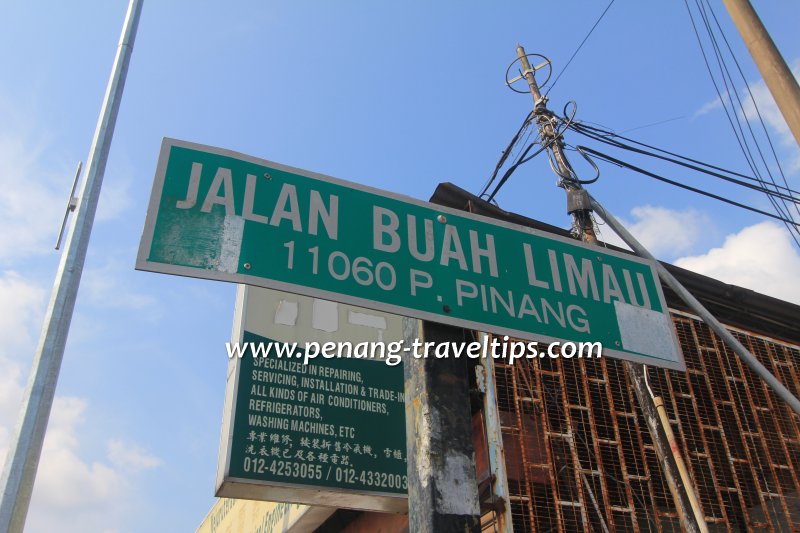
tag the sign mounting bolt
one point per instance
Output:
(247, 266)
(442, 219)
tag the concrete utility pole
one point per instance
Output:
(26, 446)
(776, 73)
(442, 489)
(579, 206)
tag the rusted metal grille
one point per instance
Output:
(580, 458)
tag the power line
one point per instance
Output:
(642, 171)
(694, 165)
(714, 82)
(513, 167)
(779, 204)
(507, 152)
(779, 192)
(612, 139)
(738, 108)
(673, 119)
(603, 14)
(603, 134)
(559, 125)
(752, 98)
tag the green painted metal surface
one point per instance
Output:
(221, 215)
(337, 423)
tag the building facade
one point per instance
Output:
(578, 454)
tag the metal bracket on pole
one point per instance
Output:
(578, 200)
(72, 203)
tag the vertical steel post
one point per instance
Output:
(442, 489)
(26, 446)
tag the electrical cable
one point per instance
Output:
(523, 156)
(507, 152)
(714, 82)
(512, 168)
(792, 226)
(603, 14)
(752, 98)
(602, 135)
(524, 143)
(617, 144)
(738, 112)
(673, 119)
(618, 162)
(782, 209)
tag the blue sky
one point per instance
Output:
(399, 96)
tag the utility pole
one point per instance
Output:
(442, 489)
(22, 461)
(579, 206)
(577, 199)
(776, 73)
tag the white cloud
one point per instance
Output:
(107, 287)
(32, 200)
(130, 457)
(21, 309)
(773, 117)
(72, 493)
(769, 112)
(664, 232)
(759, 257)
(21, 304)
(10, 399)
(69, 494)
(115, 198)
(709, 107)
(768, 108)
(65, 482)
(34, 188)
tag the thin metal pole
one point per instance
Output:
(26, 447)
(494, 445)
(701, 311)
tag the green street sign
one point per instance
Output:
(221, 215)
(331, 432)
(330, 424)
